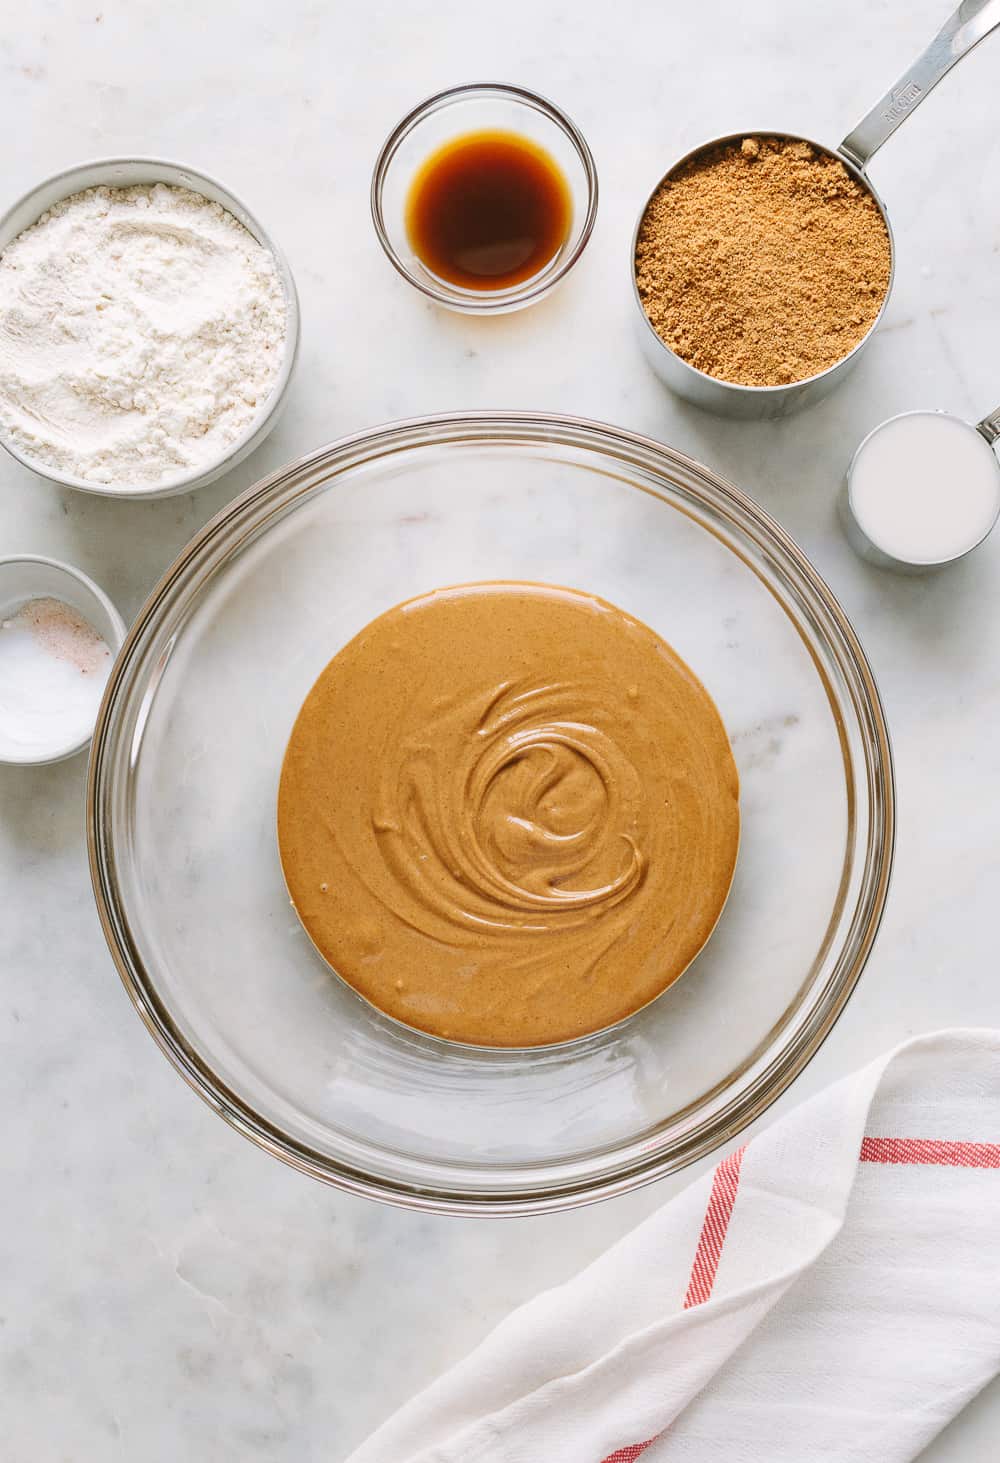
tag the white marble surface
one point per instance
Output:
(167, 1290)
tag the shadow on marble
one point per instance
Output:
(504, 330)
(42, 809)
(935, 618)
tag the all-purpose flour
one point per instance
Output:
(141, 332)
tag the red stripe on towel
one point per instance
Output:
(930, 1150)
(725, 1182)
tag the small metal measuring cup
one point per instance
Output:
(988, 429)
(971, 23)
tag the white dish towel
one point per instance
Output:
(832, 1291)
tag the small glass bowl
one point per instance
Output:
(476, 107)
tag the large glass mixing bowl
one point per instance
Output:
(184, 776)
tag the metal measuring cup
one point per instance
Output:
(971, 23)
(878, 554)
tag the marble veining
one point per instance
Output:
(168, 1290)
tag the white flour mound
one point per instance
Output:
(141, 332)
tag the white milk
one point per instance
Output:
(925, 487)
(53, 670)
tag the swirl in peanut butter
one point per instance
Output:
(508, 814)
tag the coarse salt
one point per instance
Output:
(54, 667)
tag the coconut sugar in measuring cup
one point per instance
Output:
(970, 23)
(922, 490)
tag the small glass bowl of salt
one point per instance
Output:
(59, 635)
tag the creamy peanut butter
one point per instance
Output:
(508, 814)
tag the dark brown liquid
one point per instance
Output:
(488, 210)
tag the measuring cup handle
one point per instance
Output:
(990, 426)
(971, 23)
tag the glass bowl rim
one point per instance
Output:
(237, 522)
(539, 285)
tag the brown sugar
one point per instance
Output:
(762, 262)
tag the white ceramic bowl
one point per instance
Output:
(121, 172)
(30, 576)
